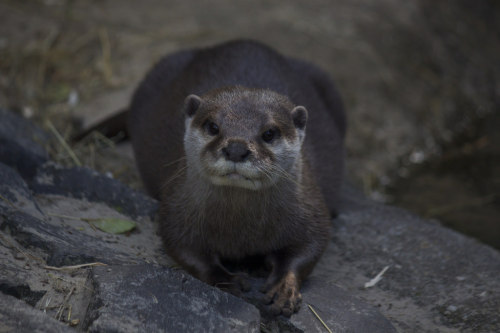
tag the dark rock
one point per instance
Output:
(431, 268)
(150, 298)
(84, 183)
(15, 193)
(22, 292)
(21, 144)
(11, 181)
(60, 248)
(17, 316)
(23, 219)
(340, 311)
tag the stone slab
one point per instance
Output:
(18, 317)
(147, 298)
(82, 182)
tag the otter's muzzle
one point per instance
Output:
(236, 152)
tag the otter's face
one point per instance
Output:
(243, 138)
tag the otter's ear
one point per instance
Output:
(191, 105)
(299, 116)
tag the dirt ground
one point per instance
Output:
(418, 80)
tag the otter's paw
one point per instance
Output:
(284, 297)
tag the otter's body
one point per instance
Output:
(244, 148)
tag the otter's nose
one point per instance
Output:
(236, 152)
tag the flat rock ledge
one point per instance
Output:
(59, 274)
(145, 298)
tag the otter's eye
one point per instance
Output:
(269, 135)
(212, 128)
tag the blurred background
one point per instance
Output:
(419, 79)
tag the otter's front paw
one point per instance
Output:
(284, 297)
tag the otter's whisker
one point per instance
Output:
(174, 162)
(176, 175)
(285, 175)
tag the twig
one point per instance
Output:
(8, 202)
(101, 138)
(64, 268)
(47, 302)
(65, 301)
(155, 300)
(63, 143)
(106, 56)
(263, 328)
(319, 318)
(54, 277)
(376, 279)
(69, 313)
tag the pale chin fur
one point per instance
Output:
(241, 175)
(236, 180)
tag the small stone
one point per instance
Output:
(19, 256)
(417, 157)
(451, 308)
(74, 322)
(73, 98)
(28, 112)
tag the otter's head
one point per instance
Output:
(246, 138)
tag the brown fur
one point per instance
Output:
(202, 223)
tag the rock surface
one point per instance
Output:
(437, 280)
(88, 184)
(146, 298)
(17, 316)
(340, 311)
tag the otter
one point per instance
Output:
(244, 149)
